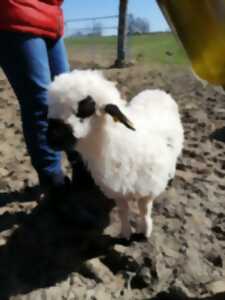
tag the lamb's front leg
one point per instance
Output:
(145, 222)
(124, 218)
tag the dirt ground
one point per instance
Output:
(45, 254)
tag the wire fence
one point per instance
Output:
(92, 39)
(105, 25)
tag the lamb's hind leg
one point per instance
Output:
(124, 218)
(145, 223)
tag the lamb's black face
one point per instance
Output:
(60, 135)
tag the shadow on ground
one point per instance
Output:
(53, 241)
(12, 207)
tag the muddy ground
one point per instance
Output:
(45, 254)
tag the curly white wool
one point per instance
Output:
(124, 163)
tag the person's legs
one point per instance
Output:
(25, 61)
(58, 62)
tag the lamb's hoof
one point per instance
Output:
(148, 231)
(126, 234)
(139, 237)
(145, 228)
(148, 234)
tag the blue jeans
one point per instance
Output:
(30, 63)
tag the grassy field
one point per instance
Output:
(155, 48)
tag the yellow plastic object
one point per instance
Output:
(200, 26)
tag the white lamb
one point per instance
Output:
(130, 149)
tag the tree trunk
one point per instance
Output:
(122, 35)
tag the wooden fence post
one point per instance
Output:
(122, 35)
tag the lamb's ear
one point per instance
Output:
(118, 116)
(86, 108)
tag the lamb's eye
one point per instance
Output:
(86, 108)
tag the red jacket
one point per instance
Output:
(38, 17)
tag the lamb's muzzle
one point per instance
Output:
(60, 135)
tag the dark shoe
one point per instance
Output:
(55, 194)
(60, 199)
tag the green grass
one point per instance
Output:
(87, 41)
(160, 48)
(154, 48)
